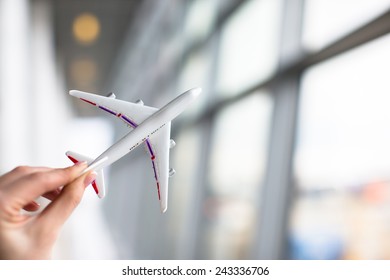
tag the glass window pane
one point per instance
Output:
(325, 21)
(185, 160)
(249, 46)
(236, 170)
(200, 19)
(195, 74)
(342, 157)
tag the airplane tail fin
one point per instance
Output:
(98, 184)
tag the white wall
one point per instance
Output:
(37, 124)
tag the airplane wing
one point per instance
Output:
(130, 113)
(158, 147)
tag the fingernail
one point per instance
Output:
(80, 165)
(90, 178)
(36, 204)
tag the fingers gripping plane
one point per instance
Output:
(149, 125)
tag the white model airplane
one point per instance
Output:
(149, 125)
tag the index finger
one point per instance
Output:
(19, 172)
(57, 212)
(29, 187)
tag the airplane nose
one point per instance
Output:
(196, 91)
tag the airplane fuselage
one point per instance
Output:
(147, 128)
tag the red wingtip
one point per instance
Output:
(95, 187)
(73, 159)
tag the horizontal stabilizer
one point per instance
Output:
(98, 184)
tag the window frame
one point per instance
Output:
(276, 192)
(284, 86)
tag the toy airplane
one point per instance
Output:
(149, 125)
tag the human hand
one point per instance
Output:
(25, 236)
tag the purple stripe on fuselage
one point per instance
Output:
(152, 158)
(149, 147)
(107, 110)
(154, 169)
(133, 124)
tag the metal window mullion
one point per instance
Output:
(376, 28)
(192, 238)
(207, 138)
(277, 188)
(277, 191)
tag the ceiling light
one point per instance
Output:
(83, 72)
(86, 28)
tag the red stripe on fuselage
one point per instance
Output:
(90, 102)
(158, 190)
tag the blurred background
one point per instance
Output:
(285, 156)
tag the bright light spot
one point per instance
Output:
(83, 72)
(86, 28)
